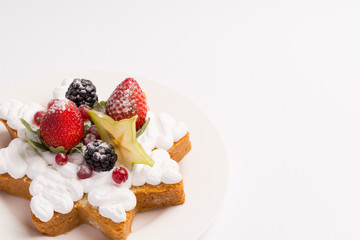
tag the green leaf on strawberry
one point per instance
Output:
(57, 150)
(28, 127)
(143, 128)
(77, 148)
(86, 129)
(36, 145)
(100, 106)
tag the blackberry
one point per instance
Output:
(100, 156)
(82, 92)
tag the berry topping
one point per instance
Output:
(82, 92)
(37, 117)
(62, 124)
(93, 130)
(126, 101)
(84, 172)
(120, 175)
(84, 114)
(51, 102)
(100, 156)
(90, 138)
(61, 159)
(91, 135)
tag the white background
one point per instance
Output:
(280, 80)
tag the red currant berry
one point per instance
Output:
(84, 172)
(84, 114)
(61, 159)
(120, 175)
(89, 138)
(94, 131)
(37, 117)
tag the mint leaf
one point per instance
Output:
(86, 129)
(58, 149)
(100, 106)
(143, 128)
(36, 145)
(77, 148)
(28, 127)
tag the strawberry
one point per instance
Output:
(126, 101)
(62, 124)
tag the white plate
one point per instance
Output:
(204, 169)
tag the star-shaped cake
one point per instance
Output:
(81, 161)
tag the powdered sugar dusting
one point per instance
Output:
(77, 83)
(124, 103)
(59, 105)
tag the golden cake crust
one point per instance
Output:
(11, 131)
(147, 196)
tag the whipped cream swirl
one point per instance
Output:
(60, 91)
(12, 110)
(159, 136)
(164, 170)
(162, 132)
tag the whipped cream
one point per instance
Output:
(113, 201)
(12, 159)
(60, 91)
(164, 170)
(55, 188)
(159, 136)
(162, 132)
(12, 110)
